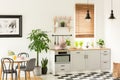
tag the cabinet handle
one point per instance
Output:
(62, 65)
(62, 69)
(85, 56)
(105, 54)
(105, 62)
(77, 52)
(105, 51)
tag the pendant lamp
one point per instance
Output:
(88, 12)
(112, 14)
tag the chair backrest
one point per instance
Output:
(24, 54)
(7, 64)
(30, 64)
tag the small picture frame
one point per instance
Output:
(10, 26)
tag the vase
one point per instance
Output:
(101, 46)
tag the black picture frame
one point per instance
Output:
(10, 26)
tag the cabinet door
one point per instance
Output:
(92, 59)
(77, 61)
(105, 60)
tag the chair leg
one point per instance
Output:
(6, 76)
(34, 76)
(29, 75)
(25, 76)
(3, 77)
(12, 75)
(16, 76)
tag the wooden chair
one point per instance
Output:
(8, 68)
(24, 55)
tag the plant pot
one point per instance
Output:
(101, 46)
(62, 24)
(44, 70)
(68, 47)
(37, 71)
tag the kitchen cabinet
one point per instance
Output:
(62, 68)
(105, 60)
(85, 60)
(60, 61)
(92, 60)
(77, 60)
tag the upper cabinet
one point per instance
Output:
(61, 21)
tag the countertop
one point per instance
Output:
(74, 49)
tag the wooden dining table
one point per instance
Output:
(18, 62)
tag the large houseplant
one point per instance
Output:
(39, 41)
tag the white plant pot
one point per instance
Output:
(37, 71)
(68, 47)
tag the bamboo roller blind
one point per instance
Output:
(84, 28)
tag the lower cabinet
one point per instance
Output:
(62, 68)
(77, 61)
(84, 60)
(90, 60)
(105, 60)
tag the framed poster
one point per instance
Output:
(10, 25)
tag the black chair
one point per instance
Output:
(8, 67)
(22, 55)
(29, 66)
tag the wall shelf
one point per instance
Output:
(58, 21)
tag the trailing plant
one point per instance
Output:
(38, 42)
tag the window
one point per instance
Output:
(84, 28)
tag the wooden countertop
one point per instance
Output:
(74, 49)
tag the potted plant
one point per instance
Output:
(76, 44)
(44, 63)
(62, 23)
(68, 43)
(38, 42)
(101, 43)
(81, 44)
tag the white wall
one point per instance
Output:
(39, 14)
(112, 29)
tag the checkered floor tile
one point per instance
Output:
(87, 76)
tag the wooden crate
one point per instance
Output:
(116, 70)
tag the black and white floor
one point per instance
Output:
(83, 76)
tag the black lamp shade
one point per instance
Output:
(112, 15)
(88, 15)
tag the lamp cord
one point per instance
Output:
(87, 4)
(111, 4)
